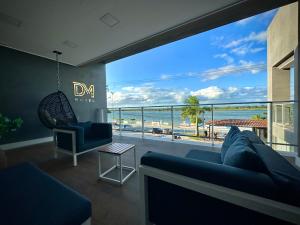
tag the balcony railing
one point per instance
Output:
(167, 122)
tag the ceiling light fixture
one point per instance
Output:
(109, 20)
(10, 20)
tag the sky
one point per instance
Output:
(226, 64)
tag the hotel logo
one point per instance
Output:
(81, 89)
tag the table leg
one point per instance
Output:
(99, 164)
(121, 170)
(134, 152)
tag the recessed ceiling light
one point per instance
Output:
(10, 20)
(109, 20)
(70, 44)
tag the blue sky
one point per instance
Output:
(227, 64)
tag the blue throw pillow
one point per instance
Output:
(232, 135)
(252, 137)
(240, 155)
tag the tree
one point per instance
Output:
(192, 110)
(258, 117)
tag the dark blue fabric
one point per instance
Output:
(232, 135)
(65, 140)
(282, 172)
(208, 156)
(252, 136)
(103, 130)
(87, 128)
(240, 155)
(93, 143)
(88, 135)
(30, 196)
(227, 176)
(169, 204)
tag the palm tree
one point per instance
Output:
(258, 117)
(192, 111)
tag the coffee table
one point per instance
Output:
(116, 150)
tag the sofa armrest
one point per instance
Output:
(102, 130)
(219, 174)
(64, 137)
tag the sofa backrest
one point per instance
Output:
(285, 175)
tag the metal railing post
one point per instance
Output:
(271, 125)
(172, 122)
(120, 118)
(212, 127)
(142, 110)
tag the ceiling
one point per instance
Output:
(74, 26)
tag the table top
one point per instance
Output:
(116, 148)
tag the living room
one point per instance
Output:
(56, 168)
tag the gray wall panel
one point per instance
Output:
(26, 79)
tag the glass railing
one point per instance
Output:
(208, 123)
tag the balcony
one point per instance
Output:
(165, 123)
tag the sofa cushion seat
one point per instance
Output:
(208, 156)
(30, 196)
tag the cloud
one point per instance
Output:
(245, 21)
(247, 48)
(260, 37)
(231, 94)
(226, 57)
(251, 66)
(211, 92)
(242, 67)
(144, 96)
(165, 77)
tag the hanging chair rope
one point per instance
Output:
(57, 53)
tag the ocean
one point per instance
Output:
(164, 117)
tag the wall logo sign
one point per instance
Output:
(83, 92)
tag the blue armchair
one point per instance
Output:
(79, 138)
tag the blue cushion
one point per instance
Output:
(252, 137)
(232, 135)
(86, 127)
(90, 143)
(240, 155)
(30, 196)
(208, 156)
(282, 172)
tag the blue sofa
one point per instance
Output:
(246, 183)
(30, 196)
(78, 138)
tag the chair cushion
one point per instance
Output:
(86, 127)
(240, 155)
(252, 137)
(282, 173)
(30, 196)
(208, 156)
(232, 135)
(90, 143)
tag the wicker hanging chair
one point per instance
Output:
(55, 110)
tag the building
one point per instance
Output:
(282, 44)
